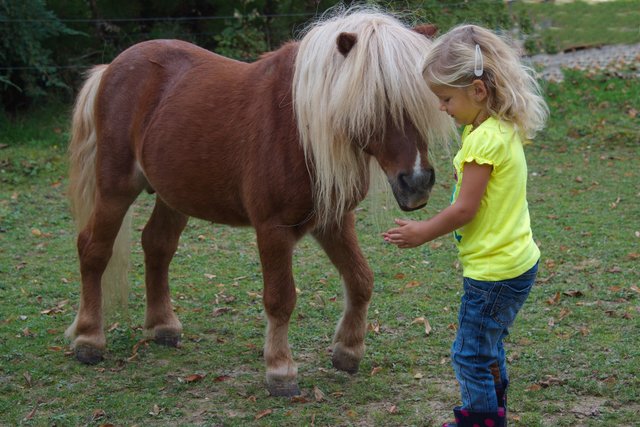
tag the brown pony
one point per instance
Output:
(284, 145)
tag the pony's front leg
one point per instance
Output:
(160, 240)
(341, 245)
(279, 298)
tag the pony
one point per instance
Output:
(285, 145)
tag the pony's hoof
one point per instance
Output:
(345, 361)
(167, 338)
(283, 388)
(87, 354)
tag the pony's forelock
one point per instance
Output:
(340, 99)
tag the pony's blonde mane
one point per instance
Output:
(339, 100)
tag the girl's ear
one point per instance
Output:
(480, 92)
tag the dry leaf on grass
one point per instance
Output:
(263, 414)
(318, 394)
(425, 322)
(193, 378)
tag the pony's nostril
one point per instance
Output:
(430, 176)
(405, 181)
(420, 182)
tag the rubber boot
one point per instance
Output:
(501, 394)
(465, 418)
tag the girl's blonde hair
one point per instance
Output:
(513, 92)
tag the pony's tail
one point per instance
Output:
(82, 192)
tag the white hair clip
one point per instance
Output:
(478, 67)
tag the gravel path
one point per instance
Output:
(613, 58)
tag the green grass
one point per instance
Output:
(573, 351)
(561, 26)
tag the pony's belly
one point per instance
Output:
(203, 196)
(217, 211)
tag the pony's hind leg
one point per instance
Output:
(341, 245)
(160, 241)
(95, 248)
(279, 296)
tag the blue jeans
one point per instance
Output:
(487, 310)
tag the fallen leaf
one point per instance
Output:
(220, 311)
(31, 413)
(554, 299)
(221, 378)
(97, 414)
(376, 370)
(193, 378)
(373, 327)
(614, 205)
(136, 347)
(418, 376)
(27, 377)
(299, 399)
(263, 414)
(155, 411)
(318, 394)
(57, 309)
(425, 322)
(564, 313)
(573, 294)
(393, 409)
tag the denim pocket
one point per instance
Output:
(511, 296)
(508, 303)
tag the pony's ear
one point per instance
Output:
(345, 42)
(427, 30)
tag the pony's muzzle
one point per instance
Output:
(412, 190)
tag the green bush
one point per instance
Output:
(27, 72)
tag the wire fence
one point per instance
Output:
(234, 16)
(113, 32)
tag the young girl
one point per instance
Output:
(482, 84)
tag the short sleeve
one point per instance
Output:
(483, 147)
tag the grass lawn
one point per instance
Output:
(565, 25)
(573, 352)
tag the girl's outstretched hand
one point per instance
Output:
(408, 234)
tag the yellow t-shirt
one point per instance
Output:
(498, 243)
